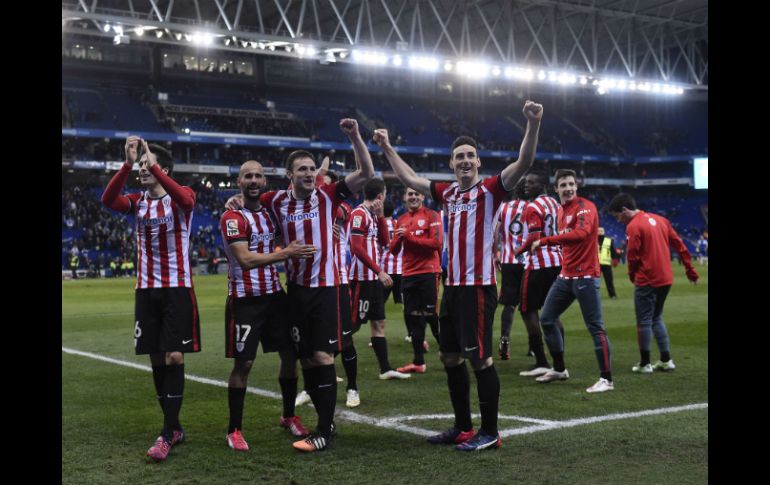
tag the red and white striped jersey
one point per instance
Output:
(341, 241)
(392, 263)
(542, 215)
(514, 231)
(163, 240)
(309, 221)
(470, 231)
(362, 224)
(258, 229)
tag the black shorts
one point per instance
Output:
(315, 319)
(345, 318)
(511, 288)
(535, 286)
(166, 320)
(396, 289)
(252, 319)
(421, 293)
(466, 320)
(367, 302)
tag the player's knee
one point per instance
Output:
(450, 359)
(378, 328)
(548, 324)
(174, 358)
(479, 364)
(321, 358)
(242, 367)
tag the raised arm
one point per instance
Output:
(183, 196)
(319, 175)
(403, 171)
(513, 172)
(112, 196)
(364, 167)
(383, 239)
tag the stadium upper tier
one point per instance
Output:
(575, 125)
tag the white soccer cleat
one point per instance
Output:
(353, 399)
(537, 371)
(553, 375)
(664, 366)
(642, 369)
(602, 385)
(394, 374)
(302, 398)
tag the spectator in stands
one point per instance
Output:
(98, 265)
(213, 263)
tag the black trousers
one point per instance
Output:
(607, 273)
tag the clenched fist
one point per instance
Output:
(533, 111)
(380, 137)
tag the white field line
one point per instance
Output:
(396, 422)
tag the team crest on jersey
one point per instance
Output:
(568, 219)
(652, 222)
(240, 346)
(421, 222)
(232, 227)
(166, 202)
(357, 221)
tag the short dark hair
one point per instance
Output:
(464, 140)
(542, 177)
(163, 156)
(295, 155)
(373, 188)
(332, 175)
(388, 208)
(621, 200)
(564, 172)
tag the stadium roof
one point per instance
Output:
(656, 40)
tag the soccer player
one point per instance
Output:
(167, 324)
(579, 278)
(256, 303)
(468, 304)
(649, 269)
(341, 239)
(306, 213)
(368, 233)
(419, 235)
(511, 227)
(543, 265)
(392, 263)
